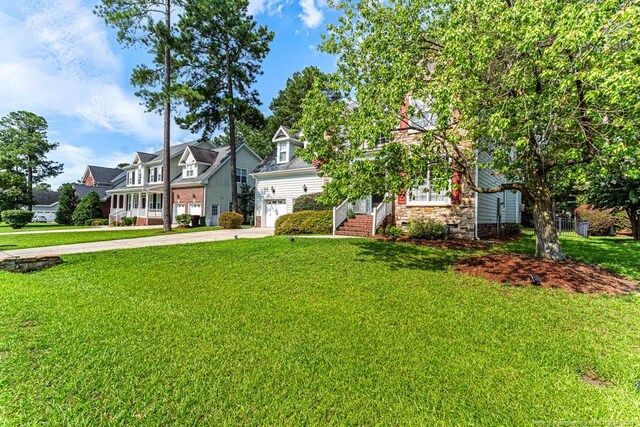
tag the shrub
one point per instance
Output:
(430, 230)
(230, 220)
(126, 221)
(17, 218)
(393, 231)
(600, 221)
(184, 220)
(305, 222)
(67, 203)
(310, 202)
(90, 207)
(97, 221)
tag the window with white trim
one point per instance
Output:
(241, 175)
(214, 210)
(135, 201)
(129, 178)
(421, 115)
(190, 170)
(425, 195)
(283, 152)
(139, 176)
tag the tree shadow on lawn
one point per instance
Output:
(407, 256)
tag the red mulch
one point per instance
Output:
(571, 276)
(442, 244)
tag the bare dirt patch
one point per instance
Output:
(571, 276)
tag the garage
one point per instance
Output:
(274, 209)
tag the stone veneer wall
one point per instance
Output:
(462, 215)
(29, 264)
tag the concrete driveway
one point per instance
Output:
(142, 242)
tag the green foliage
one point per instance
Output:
(184, 220)
(391, 230)
(305, 222)
(128, 221)
(97, 221)
(67, 202)
(230, 220)
(601, 221)
(430, 230)
(17, 218)
(310, 202)
(545, 87)
(246, 201)
(14, 191)
(24, 147)
(89, 207)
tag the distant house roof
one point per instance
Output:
(45, 198)
(102, 175)
(83, 190)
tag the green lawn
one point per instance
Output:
(318, 331)
(39, 226)
(22, 241)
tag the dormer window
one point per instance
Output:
(283, 152)
(190, 170)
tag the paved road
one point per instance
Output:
(83, 230)
(142, 242)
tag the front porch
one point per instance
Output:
(144, 206)
(361, 217)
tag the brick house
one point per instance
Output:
(200, 183)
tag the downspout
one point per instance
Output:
(475, 207)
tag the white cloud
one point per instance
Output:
(312, 16)
(76, 159)
(270, 7)
(56, 59)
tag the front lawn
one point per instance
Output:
(22, 241)
(38, 226)
(314, 331)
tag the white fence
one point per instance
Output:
(572, 226)
(380, 212)
(340, 214)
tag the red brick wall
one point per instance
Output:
(88, 180)
(185, 195)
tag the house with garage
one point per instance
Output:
(200, 177)
(283, 177)
(45, 204)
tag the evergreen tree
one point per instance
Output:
(67, 202)
(90, 207)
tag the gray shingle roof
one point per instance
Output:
(83, 190)
(103, 175)
(221, 154)
(270, 164)
(45, 198)
(145, 157)
(203, 155)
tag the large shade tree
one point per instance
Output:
(224, 49)
(545, 87)
(148, 24)
(24, 147)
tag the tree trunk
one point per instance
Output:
(232, 135)
(547, 242)
(634, 218)
(30, 183)
(166, 161)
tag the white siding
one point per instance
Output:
(218, 189)
(487, 203)
(287, 187)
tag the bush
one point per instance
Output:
(126, 221)
(305, 222)
(17, 218)
(97, 221)
(430, 230)
(90, 207)
(393, 231)
(184, 220)
(310, 202)
(230, 220)
(67, 203)
(600, 221)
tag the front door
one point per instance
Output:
(274, 209)
(215, 212)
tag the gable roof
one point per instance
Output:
(45, 198)
(284, 132)
(270, 164)
(83, 190)
(102, 174)
(217, 155)
(144, 157)
(200, 155)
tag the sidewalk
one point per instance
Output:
(142, 242)
(84, 230)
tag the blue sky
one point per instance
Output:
(59, 60)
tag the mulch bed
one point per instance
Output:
(571, 276)
(442, 244)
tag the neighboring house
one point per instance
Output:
(281, 178)
(200, 178)
(100, 179)
(45, 203)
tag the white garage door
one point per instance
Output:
(273, 209)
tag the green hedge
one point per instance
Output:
(184, 220)
(309, 202)
(97, 221)
(17, 218)
(231, 220)
(305, 222)
(430, 230)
